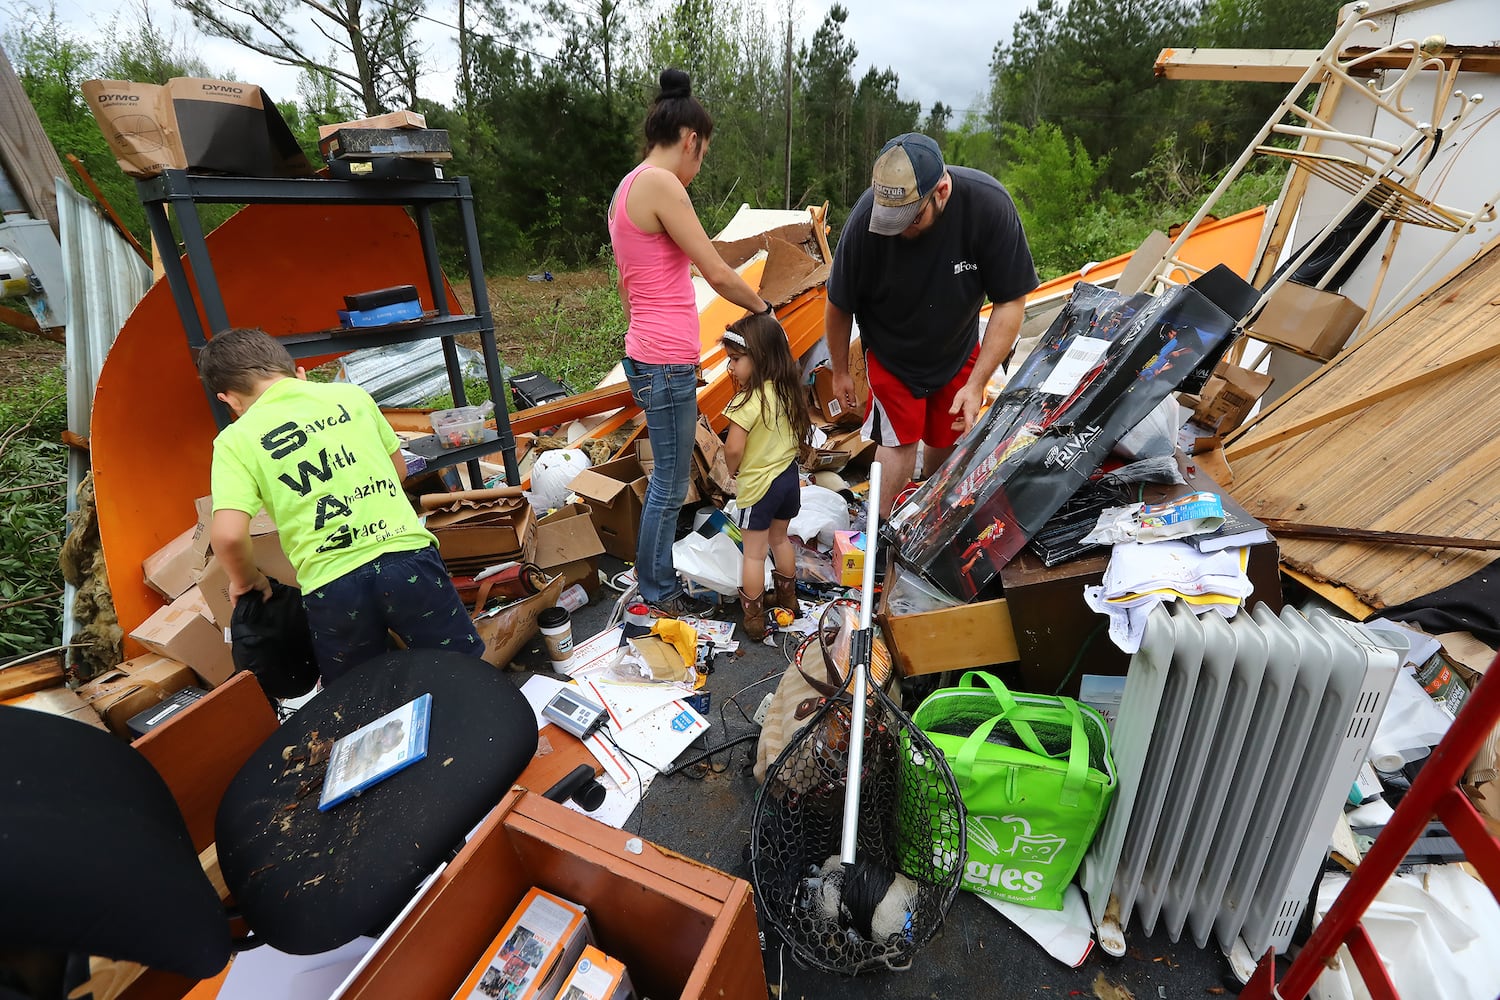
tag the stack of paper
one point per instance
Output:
(1142, 575)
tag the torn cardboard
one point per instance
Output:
(479, 528)
(506, 630)
(205, 126)
(134, 686)
(568, 546)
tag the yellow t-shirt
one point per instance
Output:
(771, 446)
(317, 456)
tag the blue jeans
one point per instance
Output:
(669, 396)
(409, 593)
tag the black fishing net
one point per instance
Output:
(876, 913)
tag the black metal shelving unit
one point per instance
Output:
(182, 192)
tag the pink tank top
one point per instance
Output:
(658, 285)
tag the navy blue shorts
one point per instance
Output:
(782, 502)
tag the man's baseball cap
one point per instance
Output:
(906, 171)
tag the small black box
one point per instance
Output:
(381, 297)
(384, 168)
(373, 143)
(143, 722)
(533, 389)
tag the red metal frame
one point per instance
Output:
(1434, 793)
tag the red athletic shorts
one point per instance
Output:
(895, 417)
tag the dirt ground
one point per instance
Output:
(25, 357)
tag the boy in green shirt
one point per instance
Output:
(323, 461)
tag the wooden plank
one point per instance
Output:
(1239, 450)
(35, 675)
(26, 154)
(1298, 530)
(1240, 65)
(1287, 65)
(200, 749)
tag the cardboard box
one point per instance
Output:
(505, 631)
(134, 686)
(956, 638)
(377, 143)
(849, 557)
(568, 546)
(683, 929)
(479, 528)
(647, 458)
(615, 492)
(1228, 397)
(391, 119)
(1308, 320)
(214, 126)
(181, 633)
(826, 407)
(213, 580)
(171, 569)
(596, 976)
(533, 953)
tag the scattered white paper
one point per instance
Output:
(596, 655)
(1066, 934)
(629, 703)
(265, 972)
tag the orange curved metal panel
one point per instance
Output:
(284, 268)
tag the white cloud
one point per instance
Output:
(940, 51)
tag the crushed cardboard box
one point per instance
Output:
(212, 126)
(568, 546)
(1227, 398)
(479, 528)
(134, 686)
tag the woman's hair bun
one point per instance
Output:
(675, 83)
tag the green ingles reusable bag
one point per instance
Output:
(1036, 779)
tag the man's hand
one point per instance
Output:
(257, 583)
(843, 390)
(965, 408)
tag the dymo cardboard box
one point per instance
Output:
(206, 126)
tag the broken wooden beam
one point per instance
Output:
(1335, 533)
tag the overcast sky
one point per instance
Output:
(939, 50)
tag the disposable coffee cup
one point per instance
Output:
(557, 632)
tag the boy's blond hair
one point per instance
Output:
(236, 360)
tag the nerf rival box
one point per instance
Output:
(1102, 366)
(205, 126)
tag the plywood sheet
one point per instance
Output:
(1425, 459)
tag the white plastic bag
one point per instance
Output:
(712, 562)
(823, 512)
(551, 474)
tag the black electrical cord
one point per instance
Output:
(681, 764)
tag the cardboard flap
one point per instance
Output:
(474, 512)
(599, 488)
(565, 535)
(473, 498)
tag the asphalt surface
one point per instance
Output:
(704, 812)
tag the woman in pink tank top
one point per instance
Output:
(656, 236)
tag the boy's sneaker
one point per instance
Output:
(680, 605)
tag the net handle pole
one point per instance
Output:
(859, 669)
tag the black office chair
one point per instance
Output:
(308, 881)
(95, 858)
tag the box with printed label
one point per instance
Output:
(597, 977)
(849, 557)
(533, 952)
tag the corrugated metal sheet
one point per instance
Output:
(406, 374)
(105, 279)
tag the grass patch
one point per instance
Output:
(33, 509)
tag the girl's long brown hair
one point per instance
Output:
(771, 354)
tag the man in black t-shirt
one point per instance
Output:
(923, 248)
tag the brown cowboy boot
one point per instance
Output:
(753, 610)
(786, 593)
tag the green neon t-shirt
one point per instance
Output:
(317, 457)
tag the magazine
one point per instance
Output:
(375, 751)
